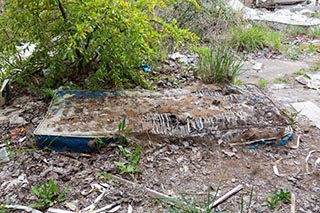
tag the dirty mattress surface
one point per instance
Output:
(222, 114)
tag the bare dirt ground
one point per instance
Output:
(172, 167)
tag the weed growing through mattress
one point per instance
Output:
(291, 116)
(132, 160)
(123, 132)
(48, 194)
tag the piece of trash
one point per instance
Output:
(130, 209)
(76, 119)
(257, 66)
(229, 154)
(70, 206)
(114, 209)
(282, 16)
(276, 171)
(307, 161)
(310, 110)
(4, 158)
(146, 68)
(4, 92)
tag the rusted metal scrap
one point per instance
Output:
(210, 113)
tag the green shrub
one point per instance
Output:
(254, 37)
(97, 43)
(218, 65)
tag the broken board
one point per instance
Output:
(228, 115)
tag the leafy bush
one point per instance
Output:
(94, 43)
(218, 65)
(255, 37)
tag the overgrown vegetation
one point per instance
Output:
(255, 37)
(48, 194)
(95, 44)
(218, 65)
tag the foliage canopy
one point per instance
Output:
(99, 43)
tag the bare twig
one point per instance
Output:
(307, 160)
(293, 203)
(226, 196)
(24, 208)
(152, 193)
(276, 171)
(298, 143)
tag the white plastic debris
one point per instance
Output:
(283, 16)
(4, 155)
(257, 66)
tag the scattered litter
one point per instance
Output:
(70, 206)
(276, 171)
(257, 66)
(298, 143)
(54, 210)
(310, 110)
(293, 203)
(24, 208)
(97, 200)
(115, 209)
(282, 16)
(180, 57)
(307, 161)
(4, 92)
(229, 154)
(130, 209)
(146, 68)
(4, 158)
(309, 82)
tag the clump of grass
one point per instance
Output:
(293, 52)
(280, 80)
(218, 65)
(262, 83)
(255, 37)
(301, 72)
(315, 32)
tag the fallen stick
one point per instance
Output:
(226, 196)
(276, 171)
(152, 193)
(307, 160)
(24, 208)
(293, 203)
(54, 210)
(298, 143)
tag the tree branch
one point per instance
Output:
(62, 10)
